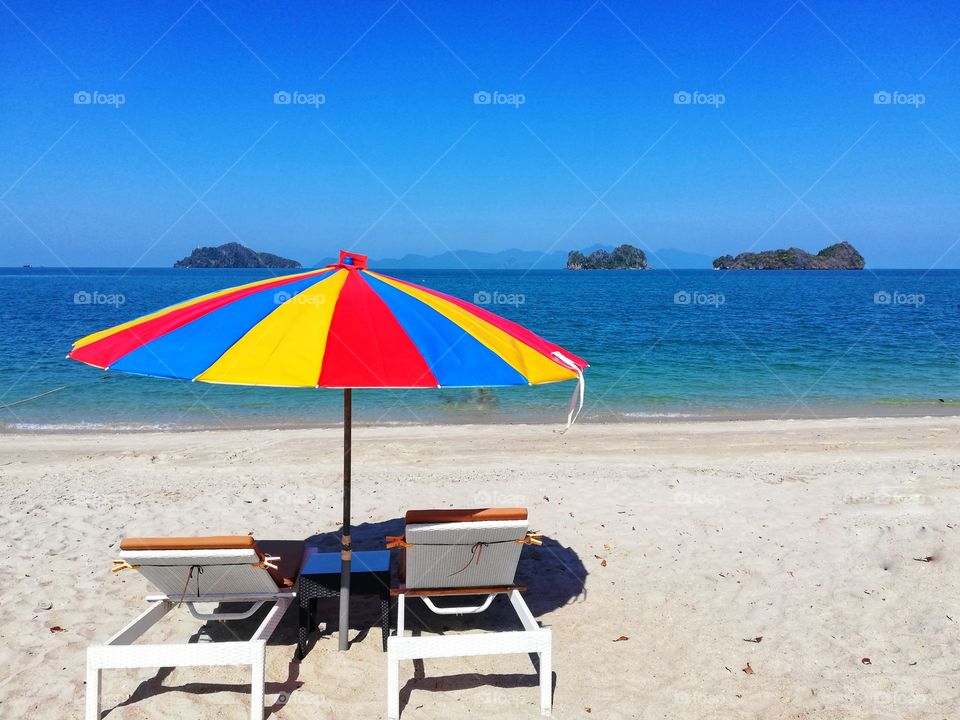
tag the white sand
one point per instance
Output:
(802, 532)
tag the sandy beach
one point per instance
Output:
(761, 569)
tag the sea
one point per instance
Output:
(662, 345)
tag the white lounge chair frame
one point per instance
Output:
(532, 639)
(121, 652)
(432, 550)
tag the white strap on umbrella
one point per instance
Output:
(573, 410)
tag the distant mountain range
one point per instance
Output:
(524, 260)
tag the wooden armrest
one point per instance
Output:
(438, 592)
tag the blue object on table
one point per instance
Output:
(320, 578)
(328, 563)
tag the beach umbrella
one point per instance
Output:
(341, 326)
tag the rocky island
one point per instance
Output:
(624, 257)
(233, 255)
(841, 256)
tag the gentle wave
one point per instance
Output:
(90, 427)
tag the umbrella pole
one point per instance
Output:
(345, 553)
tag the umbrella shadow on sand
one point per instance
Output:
(553, 573)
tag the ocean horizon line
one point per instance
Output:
(867, 269)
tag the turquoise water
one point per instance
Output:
(745, 344)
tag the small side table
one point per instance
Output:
(320, 578)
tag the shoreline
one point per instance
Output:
(891, 411)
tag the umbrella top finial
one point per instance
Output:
(354, 260)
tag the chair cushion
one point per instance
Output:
(217, 542)
(426, 559)
(289, 552)
(415, 517)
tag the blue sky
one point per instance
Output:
(782, 143)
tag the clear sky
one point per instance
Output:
(782, 141)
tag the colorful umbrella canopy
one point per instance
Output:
(341, 326)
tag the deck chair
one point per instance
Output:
(464, 553)
(193, 571)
